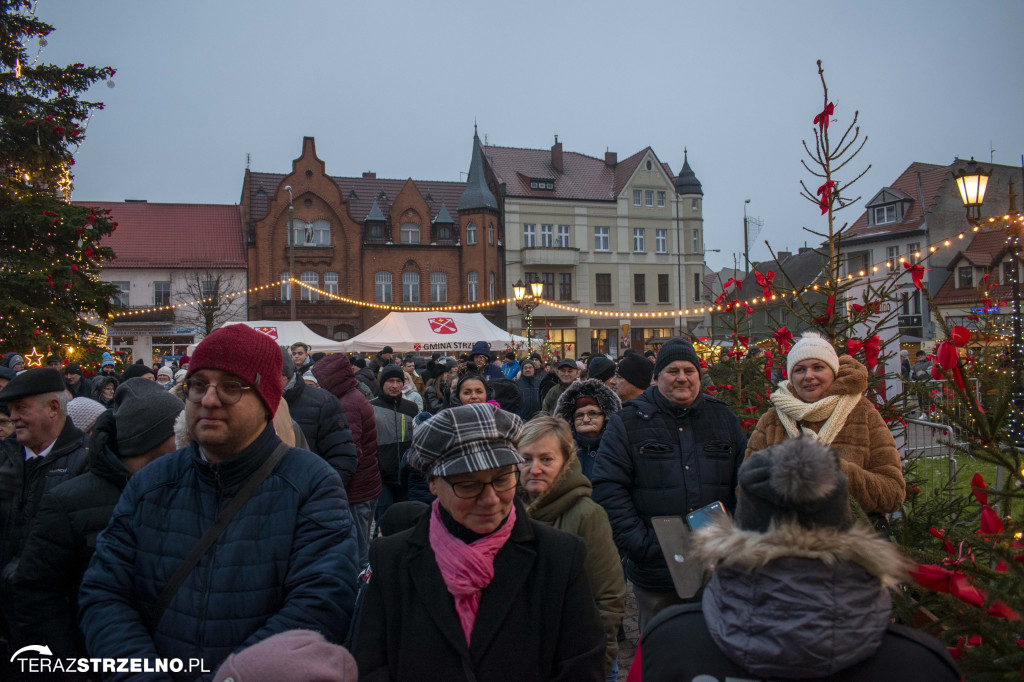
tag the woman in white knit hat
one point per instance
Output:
(823, 398)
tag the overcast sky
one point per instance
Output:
(394, 87)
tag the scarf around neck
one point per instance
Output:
(833, 410)
(466, 568)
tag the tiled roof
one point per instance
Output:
(986, 250)
(950, 295)
(174, 235)
(360, 193)
(906, 184)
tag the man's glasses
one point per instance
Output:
(592, 416)
(228, 392)
(470, 489)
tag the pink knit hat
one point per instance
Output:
(292, 656)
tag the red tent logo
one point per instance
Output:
(442, 325)
(269, 331)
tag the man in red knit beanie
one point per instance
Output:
(285, 560)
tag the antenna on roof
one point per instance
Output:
(556, 139)
(485, 139)
(991, 152)
(248, 160)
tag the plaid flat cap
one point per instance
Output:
(464, 439)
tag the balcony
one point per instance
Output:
(551, 255)
(133, 315)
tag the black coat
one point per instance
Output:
(323, 423)
(536, 621)
(529, 391)
(83, 389)
(60, 544)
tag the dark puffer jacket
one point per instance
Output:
(365, 376)
(529, 390)
(323, 423)
(286, 560)
(657, 459)
(335, 374)
(62, 541)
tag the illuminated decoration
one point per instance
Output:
(34, 359)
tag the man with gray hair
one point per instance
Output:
(47, 450)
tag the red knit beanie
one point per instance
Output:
(585, 400)
(249, 355)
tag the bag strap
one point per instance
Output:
(213, 532)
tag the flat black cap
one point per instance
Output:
(33, 382)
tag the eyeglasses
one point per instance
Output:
(228, 392)
(5, 422)
(467, 490)
(592, 416)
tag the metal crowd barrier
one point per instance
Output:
(930, 446)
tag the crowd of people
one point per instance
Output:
(285, 515)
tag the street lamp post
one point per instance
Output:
(972, 181)
(746, 241)
(527, 301)
(291, 248)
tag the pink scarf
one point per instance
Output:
(466, 569)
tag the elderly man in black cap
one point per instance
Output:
(668, 452)
(138, 430)
(46, 451)
(632, 375)
(567, 372)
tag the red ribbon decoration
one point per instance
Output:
(872, 347)
(823, 193)
(960, 336)
(720, 298)
(830, 310)
(784, 338)
(946, 355)
(729, 282)
(765, 282)
(821, 120)
(979, 489)
(916, 273)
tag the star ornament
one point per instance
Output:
(33, 359)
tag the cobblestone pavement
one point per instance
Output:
(631, 625)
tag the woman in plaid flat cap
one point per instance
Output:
(477, 590)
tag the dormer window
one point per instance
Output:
(444, 233)
(376, 233)
(542, 183)
(965, 277)
(885, 214)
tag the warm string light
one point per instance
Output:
(209, 299)
(398, 308)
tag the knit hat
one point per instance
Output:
(15, 359)
(144, 413)
(465, 439)
(248, 354)
(636, 369)
(386, 349)
(601, 368)
(481, 348)
(107, 360)
(184, 360)
(137, 370)
(291, 656)
(812, 345)
(391, 372)
(675, 349)
(83, 412)
(165, 371)
(308, 376)
(584, 400)
(73, 368)
(180, 375)
(798, 479)
(287, 364)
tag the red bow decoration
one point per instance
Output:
(946, 355)
(784, 338)
(960, 336)
(871, 347)
(916, 272)
(821, 120)
(729, 282)
(830, 310)
(979, 488)
(823, 193)
(765, 282)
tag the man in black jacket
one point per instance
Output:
(394, 417)
(319, 415)
(139, 429)
(78, 386)
(46, 451)
(528, 384)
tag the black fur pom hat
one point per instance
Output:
(797, 480)
(606, 399)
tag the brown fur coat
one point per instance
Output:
(865, 445)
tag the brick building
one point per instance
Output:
(402, 242)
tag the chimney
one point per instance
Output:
(556, 155)
(804, 249)
(369, 175)
(610, 159)
(783, 255)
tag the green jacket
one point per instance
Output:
(551, 397)
(567, 506)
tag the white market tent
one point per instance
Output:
(434, 331)
(285, 333)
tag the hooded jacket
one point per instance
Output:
(334, 373)
(394, 433)
(324, 425)
(792, 603)
(567, 506)
(864, 444)
(607, 401)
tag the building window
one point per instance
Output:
(471, 234)
(885, 214)
(603, 288)
(695, 205)
(1008, 268)
(444, 233)
(661, 199)
(313, 280)
(649, 198)
(696, 241)
(545, 236)
(529, 236)
(490, 285)
(663, 296)
(563, 236)
(208, 288)
(286, 286)
(438, 287)
(661, 241)
(911, 303)
(912, 249)
(121, 298)
(490, 235)
(548, 278)
(321, 233)
(376, 233)
(471, 286)
(382, 287)
(637, 197)
(601, 239)
(564, 286)
(410, 233)
(410, 287)
(696, 287)
(331, 283)
(966, 275)
(892, 255)
(638, 240)
(563, 342)
(639, 289)
(161, 293)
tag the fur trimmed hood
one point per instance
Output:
(606, 399)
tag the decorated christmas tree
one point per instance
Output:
(51, 252)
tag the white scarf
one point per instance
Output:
(834, 409)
